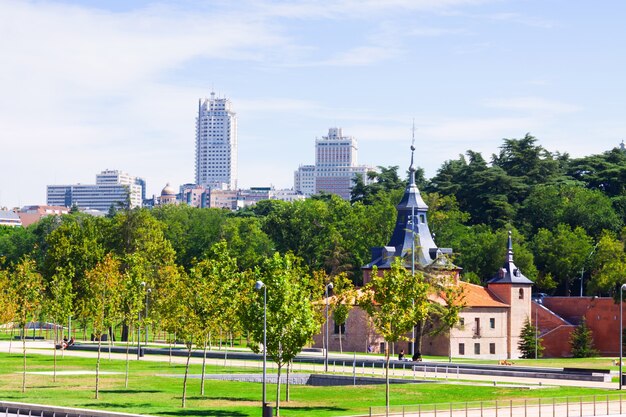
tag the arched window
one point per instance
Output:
(521, 293)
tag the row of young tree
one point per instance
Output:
(213, 297)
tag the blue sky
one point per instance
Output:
(91, 85)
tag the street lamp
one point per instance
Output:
(537, 303)
(582, 271)
(143, 284)
(257, 287)
(329, 286)
(148, 291)
(621, 331)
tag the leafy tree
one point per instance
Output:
(131, 298)
(28, 288)
(562, 253)
(605, 172)
(447, 314)
(247, 242)
(581, 341)
(344, 299)
(609, 266)
(529, 345)
(291, 322)
(191, 231)
(218, 284)
(59, 306)
(395, 301)
(7, 300)
(103, 301)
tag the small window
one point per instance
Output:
(461, 348)
(477, 328)
(492, 323)
(422, 218)
(343, 329)
(521, 293)
(492, 348)
(476, 348)
(462, 321)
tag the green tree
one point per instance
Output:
(103, 301)
(581, 341)
(609, 266)
(562, 253)
(218, 284)
(291, 322)
(58, 305)
(343, 302)
(529, 345)
(395, 302)
(28, 289)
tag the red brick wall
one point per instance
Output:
(556, 342)
(601, 314)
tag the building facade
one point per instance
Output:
(491, 319)
(112, 188)
(216, 144)
(335, 168)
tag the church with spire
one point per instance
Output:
(492, 318)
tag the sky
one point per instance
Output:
(92, 85)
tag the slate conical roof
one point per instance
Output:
(411, 221)
(509, 273)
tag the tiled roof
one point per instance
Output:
(479, 296)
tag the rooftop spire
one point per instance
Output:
(509, 273)
(411, 168)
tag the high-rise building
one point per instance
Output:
(112, 188)
(216, 144)
(335, 166)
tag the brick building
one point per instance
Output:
(492, 318)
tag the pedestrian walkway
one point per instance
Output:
(605, 405)
(342, 366)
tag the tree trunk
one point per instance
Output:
(340, 343)
(186, 374)
(11, 339)
(24, 358)
(277, 413)
(203, 368)
(170, 359)
(56, 339)
(127, 358)
(387, 378)
(287, 383)
(98, 367)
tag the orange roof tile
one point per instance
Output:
(479, 296)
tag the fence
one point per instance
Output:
(590, 405)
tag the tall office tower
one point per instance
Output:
(216, 144)
(336, 163)
(112, 188)
(304, 180)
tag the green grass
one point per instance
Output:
(157, 395)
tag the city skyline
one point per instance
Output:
(93, 85)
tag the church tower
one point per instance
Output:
(514, 289)
(411, 239)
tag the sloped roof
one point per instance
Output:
(479, 296)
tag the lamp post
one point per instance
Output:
(536, 326)
(148, 291)
(582, 271)
(621, 331)
(258, 286)
(413, 270)
(329, 286)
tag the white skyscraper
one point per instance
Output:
(216, 144)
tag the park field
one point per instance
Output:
(154, 389)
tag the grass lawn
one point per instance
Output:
(149, 393)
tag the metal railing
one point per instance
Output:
(579, 406)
